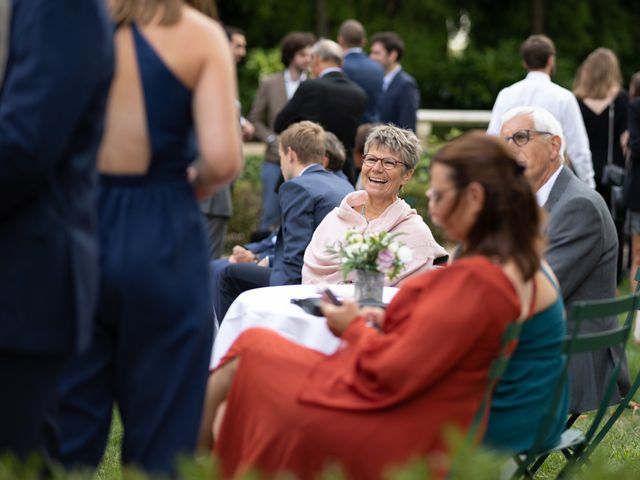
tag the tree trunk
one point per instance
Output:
(538, 16)
(322, 28)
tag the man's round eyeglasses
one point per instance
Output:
(387, 163)
(522, 137)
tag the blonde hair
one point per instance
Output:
(598, 75)
(144, 11)
(305, 138)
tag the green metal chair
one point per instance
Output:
(628, 397)
(575, 444)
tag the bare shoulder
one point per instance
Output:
(200, 29)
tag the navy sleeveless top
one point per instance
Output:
(169, 112)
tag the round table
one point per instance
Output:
(271, 308)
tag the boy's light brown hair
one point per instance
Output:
(305, 138)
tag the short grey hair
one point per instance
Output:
(328, 51)
(543, 120)
(397, 141)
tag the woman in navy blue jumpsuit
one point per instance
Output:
(171, 101)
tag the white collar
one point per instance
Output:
(388, 78)
(307, 168)
(542, 195)
(538, 75)
(329, 70)
(287, 77)
(352, 50)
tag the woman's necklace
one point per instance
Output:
(363, 215)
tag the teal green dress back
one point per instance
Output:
(522, 397)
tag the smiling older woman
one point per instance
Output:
(390, 158)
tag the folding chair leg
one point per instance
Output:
(539, 462)
(571, 420)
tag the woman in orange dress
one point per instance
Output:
(387, 395)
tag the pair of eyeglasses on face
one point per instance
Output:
(387, 162)
(436, 196)
(522, 137)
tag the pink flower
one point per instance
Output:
(385, 260)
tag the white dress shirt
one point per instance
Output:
(537, 89)
(388, 78)
(292, 85)
(542, 195)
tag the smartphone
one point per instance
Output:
(331, 296)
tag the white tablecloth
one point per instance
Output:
(271, 308)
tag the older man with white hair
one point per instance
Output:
(582, 243)
(330, 99)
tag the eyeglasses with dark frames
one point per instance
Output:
(436, 196)
(387, 162)
(522, 137)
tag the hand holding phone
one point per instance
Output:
(331, 297)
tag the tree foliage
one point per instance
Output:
(491, 60)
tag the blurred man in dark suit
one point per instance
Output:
(360, 68)
(330, 99)
(52, 104)
(273, 94)
(400, 95)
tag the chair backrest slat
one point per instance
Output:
(580, 311)
(590, 342)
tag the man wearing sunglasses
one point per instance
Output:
(536, 89)
(582, 244)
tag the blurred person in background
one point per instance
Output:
(330, 99)
(603, 104)
(400, 97)
(217, 209)
(273, 94)
(154, 325)
(52, 103)
(360, 68)
(632, 193)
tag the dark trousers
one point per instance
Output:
(151, 344)
(29, 386)
(237, 278)
(216, 228)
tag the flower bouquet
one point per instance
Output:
(371, 256)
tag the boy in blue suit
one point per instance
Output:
(307, 195)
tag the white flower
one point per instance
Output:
(404, 254)
(355, 248)
(394, 246)
(355, 238)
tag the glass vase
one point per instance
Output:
(369, 286)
